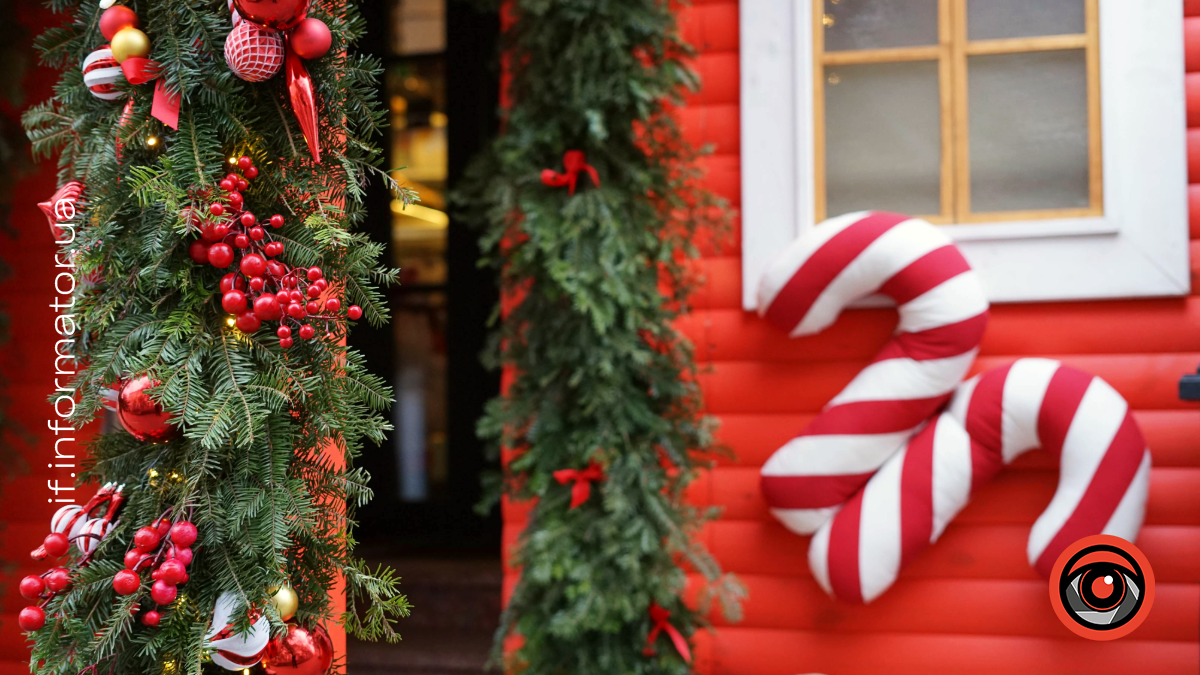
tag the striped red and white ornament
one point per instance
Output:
(100, 73)
(872, 516)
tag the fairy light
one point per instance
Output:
(230, 321)
(152, 141)
(233, 160)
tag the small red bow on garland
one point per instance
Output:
(659, 615)
(166, 106)
(573, 163)
(582, 489)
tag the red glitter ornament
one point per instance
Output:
(301, 651)
(254, 54)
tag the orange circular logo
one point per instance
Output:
(1102, 587)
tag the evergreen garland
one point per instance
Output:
(599, 374)
(253, 467)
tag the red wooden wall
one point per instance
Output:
(971, 603)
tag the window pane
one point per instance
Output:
(883, 138)
(1029, 131)
(995, 19)
(879, 24)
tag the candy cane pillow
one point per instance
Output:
(879, 474)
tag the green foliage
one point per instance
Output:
(600, 373)
(255, 466)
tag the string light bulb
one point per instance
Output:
(152, 141)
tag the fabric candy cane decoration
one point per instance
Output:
(943, 312)
(993, 418)
(234, 651)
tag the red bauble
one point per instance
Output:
(311, 39)
(115, 18)
(253, 265)
(31, 618)
(354, 312)
(198, 252)
(126, 582)
(32, 586)
(277, 14)
(163, 593)
(184, 534)
(301, 651)
(248, 323)
(220, 255)
(150, 618)
(101, 72)
(56, 544)
(254, 53)
(144, 419)
(57, 579)
(146, 539)
(267, 308)
(234, 302)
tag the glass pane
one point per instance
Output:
(418, 26)
(879, 24)
(1029, 131)
(419, 413)
(883, 138)
(996, 19)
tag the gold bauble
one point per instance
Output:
(128, 42)
(286, 602)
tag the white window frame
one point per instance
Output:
(1138, 248)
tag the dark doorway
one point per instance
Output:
(440, 85)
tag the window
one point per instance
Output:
(1047, 136)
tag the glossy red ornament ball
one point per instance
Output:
(276, 14)
(163, 593)
(276, 220)
(253, 53)
(306, 332)
(56, 544)
(184, 534)
(234, 302)
(31, 618)
(115, 18)
(247, 322)
(198, 252)
(146, 539)
(333, 304)
(253, 265)
(241, 241)
(267, 308)
(126, 582)
(216, 209)
(151, 618)
(310, 39)
(32, 586)
(251, 172)
(256, 233)
(302, 651)
(220, 255)
(144, 419)
(354, 312)
(183, 555)
(58, 579)
(285, 343)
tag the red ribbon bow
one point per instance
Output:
(166, 106)
(659, 615)
(573, 163)
(582, 489)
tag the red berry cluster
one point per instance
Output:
(261, 289)
(166, 548)
(86, 527)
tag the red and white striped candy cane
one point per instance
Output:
(943, 312)
(1104, 475)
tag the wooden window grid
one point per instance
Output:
(951, 54)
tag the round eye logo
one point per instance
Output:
(1102, 587)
